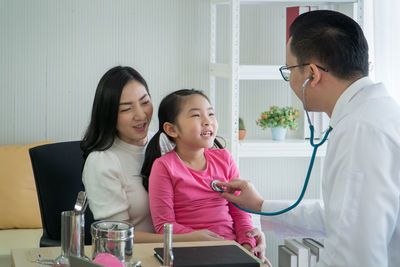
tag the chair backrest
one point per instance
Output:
(57, 169)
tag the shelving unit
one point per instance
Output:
(234, 73)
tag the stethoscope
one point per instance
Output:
(303, 191)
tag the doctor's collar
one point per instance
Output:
(346, 97)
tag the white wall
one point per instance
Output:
(54, 52)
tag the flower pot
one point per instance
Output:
(278, 133)
(242, 134)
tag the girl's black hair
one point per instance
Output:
(168, 111)
(102, 128)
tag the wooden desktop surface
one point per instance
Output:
(141, 251)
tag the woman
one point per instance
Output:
(114, 146)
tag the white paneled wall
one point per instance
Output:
(6, 94)
(277, 178)
(53, 53)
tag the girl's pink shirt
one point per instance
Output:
(183, 196)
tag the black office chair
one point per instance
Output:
(57, 169)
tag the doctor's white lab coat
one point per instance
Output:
(361, 184)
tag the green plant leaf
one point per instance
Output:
(273, 117)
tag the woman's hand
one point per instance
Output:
(201, 235)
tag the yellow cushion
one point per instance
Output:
(19, 206)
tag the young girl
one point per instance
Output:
(179, 181)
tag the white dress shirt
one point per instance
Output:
(361, 184)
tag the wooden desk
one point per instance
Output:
(141, 251)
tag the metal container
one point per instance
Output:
(113, 237)
(168, 254)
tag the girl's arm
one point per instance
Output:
(161, 196)
(242, 220)
(242, 225)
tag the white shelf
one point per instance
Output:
(247, 72)
(255, 148)
(259, 72)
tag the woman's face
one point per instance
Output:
(134, 114)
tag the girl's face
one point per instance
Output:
(196, 125)
(134, 114)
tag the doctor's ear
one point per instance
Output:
(315, 75)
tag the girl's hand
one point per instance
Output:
(259, 249)
(202, 235)
(247, 246)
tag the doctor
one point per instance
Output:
(361, 183)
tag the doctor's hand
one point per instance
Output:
(248, 197)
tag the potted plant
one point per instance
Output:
(279, 119)
(242, 129)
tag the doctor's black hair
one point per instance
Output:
(332, 38)
(102, 128)
(168, 111)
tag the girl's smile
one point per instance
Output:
(207, 133)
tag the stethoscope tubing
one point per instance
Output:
(303, 191)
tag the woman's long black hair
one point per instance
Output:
(168, 111)
(102, 128)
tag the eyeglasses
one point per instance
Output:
(285, 70)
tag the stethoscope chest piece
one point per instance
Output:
(214, 186)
